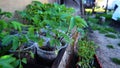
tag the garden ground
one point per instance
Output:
(104, 52)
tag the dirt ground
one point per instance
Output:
(103, 52)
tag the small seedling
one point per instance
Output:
(110, 46)
(111, 36)
(115, 60)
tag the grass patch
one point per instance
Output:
(93, 20)
(111, 36)
(115, 60)
(110, 46)
(110, 30)
(119, 44)
(107, 16)
(95, 27)
(103, 31)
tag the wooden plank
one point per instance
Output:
(69, 52)
(58, 59)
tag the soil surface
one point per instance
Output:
(103, 52)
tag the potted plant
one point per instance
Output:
(48, 29)
(53, 24)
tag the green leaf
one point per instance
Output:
(3, 25)
(80, 22)
(20, 66)
(32, 54)
(72, 23)
(35, 20)
(24, 60)
(7, 14)
(5, 61)
(16, 63)
(15, 43)
(40, 42)
(31, 31)
(17, 25)
(7, 40)
(7, 66)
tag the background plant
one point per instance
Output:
(86, 51)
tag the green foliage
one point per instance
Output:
(102, 29)
(6, 61)
(92, 20)
(111, 36)
(86, 51)
(5, 50)
(17, 25)
(31, 54)
(107, 16)
(24, 60)
(12, 36)
(109, 29)
(110, 46)
(116, 60)
(56, 19)
(5, 14)
(3, 25)
(11, 39)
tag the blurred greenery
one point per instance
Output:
(111, 36)
(110, 46)
(115, 60)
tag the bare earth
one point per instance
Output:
(104, 53)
